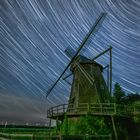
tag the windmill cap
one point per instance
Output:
(84, 60)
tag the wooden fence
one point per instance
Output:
(7, 136)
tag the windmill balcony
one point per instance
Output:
(107, 109)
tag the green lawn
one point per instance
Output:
(25, 133)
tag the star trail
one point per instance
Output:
(34, 35)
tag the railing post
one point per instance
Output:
(52, 111)
(88, 107)
(56, 125)
(101, 108)
(50, 123)
(115, 108)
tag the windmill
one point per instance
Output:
(90, 94)
(89, 89)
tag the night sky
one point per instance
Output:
(34, 35)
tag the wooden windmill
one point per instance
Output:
(88, 86)
(90, 94)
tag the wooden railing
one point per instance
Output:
(57, 110)
(93, 108)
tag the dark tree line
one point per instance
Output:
(120, 97)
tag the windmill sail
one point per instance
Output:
(70, 52)
(94, 29)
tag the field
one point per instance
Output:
(25, 133)
(41, 133)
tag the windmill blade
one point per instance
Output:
(94, 29)
(67, 76)
(87, 76)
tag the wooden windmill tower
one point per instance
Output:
(88, 83)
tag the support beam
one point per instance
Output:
(114, 128)
(67, 82)
(105, 67)
(108, 80)
(110, 75)
(107, 70)
(67, 76)
(102, 53)
(110, 51)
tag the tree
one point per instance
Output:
(119, 94)
(93, 125)
(132, 98)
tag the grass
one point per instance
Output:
(25, 133)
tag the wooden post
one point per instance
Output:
(101, 108)
(77, 102)
(56, 125)
(50, 124)
(52, 111)
(115, 109)
(108, 77)
(88, 107)
(110, 51)
(114, 128)
(63, 108)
